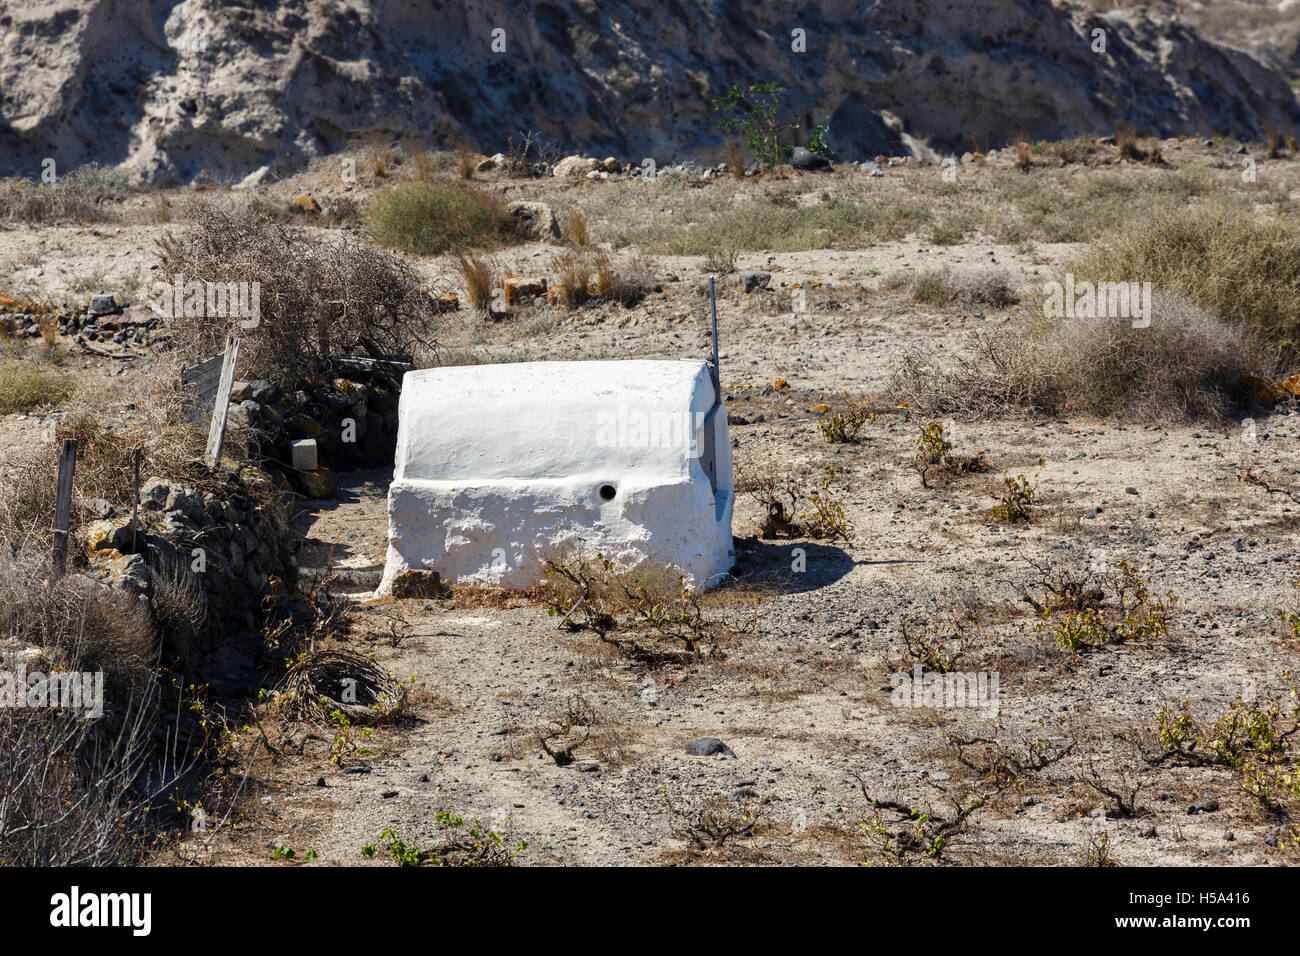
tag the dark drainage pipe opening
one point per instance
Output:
(607, 492)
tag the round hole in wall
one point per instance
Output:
(607, 492)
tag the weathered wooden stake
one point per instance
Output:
(217, 431)
(135, 498)
(63, 507)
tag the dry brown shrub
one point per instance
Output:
(89, 193)
(318, 298)
(466, 159)
(575, 228)
(1126, 141)
(1273, 139)
(1231, 262)
(481, 275)
(572, 269)
(1186, 365)
(80, 623)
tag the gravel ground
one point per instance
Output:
(804, 702)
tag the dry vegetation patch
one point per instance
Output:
(317, 298)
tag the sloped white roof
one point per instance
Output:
(550, 419)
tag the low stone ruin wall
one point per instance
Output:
(351, 415)
(231, 544)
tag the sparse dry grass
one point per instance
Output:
(1186, 365)
(989, 288)
(481, 275)
(25, 388)
(87, 194)
(1239, 266)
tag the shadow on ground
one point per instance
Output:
(794, 566)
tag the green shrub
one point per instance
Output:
(23, 389)
(430, 219)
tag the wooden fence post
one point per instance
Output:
(135, 498)
(63, 507)
(217, 431)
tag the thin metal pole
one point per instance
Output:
(713, 313)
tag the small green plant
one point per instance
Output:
(1015, 500)
(1076, 629)
(289, 854)
(886, 853)
(472, 845)
(817, 144)
(1291, 616)
(344, 744)
(841, 425)
(780, 498)
(826, 518)
(754, 111)
(1074, 608)
(1275, 789)
(938, 647)
(923, 831)
(1097, 852)
(1142, 616)
(756, 107)
(934, 455)
(647, 614)
(1246, 735)
(1176, 729)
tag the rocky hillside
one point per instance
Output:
(172, 90)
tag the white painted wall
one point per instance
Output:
(500, 467)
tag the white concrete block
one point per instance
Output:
(304, 455)
(502, 467)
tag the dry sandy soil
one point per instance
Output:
(804, 700)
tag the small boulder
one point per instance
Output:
(321, 483)
(416, 583)
(709, 747)
(524, 289)
(304, 455)
(108, 535)
(752, 281)
(264, 392)
(534, 220)
(804, 159)
(102, 304)
(575, 167)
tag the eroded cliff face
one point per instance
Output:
(174, 90)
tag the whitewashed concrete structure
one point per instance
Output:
(502, 467)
